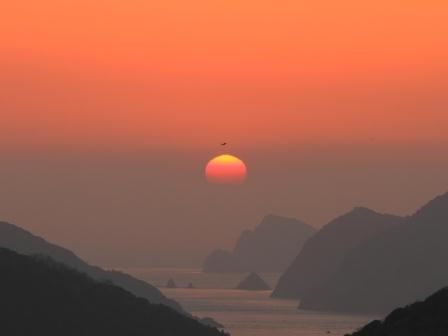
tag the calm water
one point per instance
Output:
(246, 313)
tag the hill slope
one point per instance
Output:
(42, 297)
(23, 242)
(427, 318)
(270, 247)
(323, 253)
(399, 266)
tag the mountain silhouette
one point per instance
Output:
(42, 297)
(253, 282)
(270, 247)
(400, 265)
(23, 242)
(427, 318)
(323, 253)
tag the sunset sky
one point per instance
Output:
(111, 109)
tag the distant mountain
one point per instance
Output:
(42, 297)
(406, 263)
(253, 282)
(323, 253)
(23, 242)
(427, 318)
(269, 248)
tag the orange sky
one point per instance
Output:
(110, 109)
(132, 74)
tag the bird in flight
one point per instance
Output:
(224, 144)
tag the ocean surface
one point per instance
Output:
(246, 313)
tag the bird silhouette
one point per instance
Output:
(224, 144)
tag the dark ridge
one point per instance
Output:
(24, 242)
(427, 318)
(399, 266)
(323, 253)
(42, 297)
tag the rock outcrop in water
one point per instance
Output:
(253, 282)
(399, 266)
(322, 254)
(42, 297)
(171, 284)
(270, 247)
(427, 318)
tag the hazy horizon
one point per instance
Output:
(111, 110)
(141, 209)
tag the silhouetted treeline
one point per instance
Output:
(428, 318)
(19, 240)
(42, 297)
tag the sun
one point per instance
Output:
(226, 169)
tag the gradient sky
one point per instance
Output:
(111, 109)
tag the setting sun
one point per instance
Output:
(269, 168)
(226, 169)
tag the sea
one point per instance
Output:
(246, 313)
